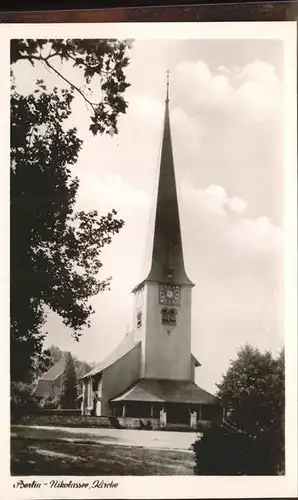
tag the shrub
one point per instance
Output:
(145, 425)
(115, 423)
(253, 394)
(221, 451)
(202, 426)
(49, 403)
(22, 401)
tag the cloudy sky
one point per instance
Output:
(226, 100)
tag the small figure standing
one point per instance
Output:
(163, 418)
(193, 418)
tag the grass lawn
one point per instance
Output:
(41, 457)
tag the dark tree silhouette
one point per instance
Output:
(253, 391)
(251, 439)
(55, 251)
(69, 391)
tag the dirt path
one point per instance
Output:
(125, 437)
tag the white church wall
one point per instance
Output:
(167, 349)
(119, 376)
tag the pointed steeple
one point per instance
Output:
(167, 263)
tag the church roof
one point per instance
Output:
(126, 345)
(166, 261)
(167, 391)
(55, 371)
(45, 382)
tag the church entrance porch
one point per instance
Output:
(178, 413)
(138, 414)
(132, 409)
(171, 402)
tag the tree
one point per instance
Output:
(55, 251)
(69, 392)
(253, 392)
(99, 60)
(56, 354)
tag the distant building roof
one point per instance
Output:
(44, 385)
(43, 388)
(126, 345)
(171, 391)
(55, 371)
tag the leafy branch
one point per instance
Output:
(105, 59)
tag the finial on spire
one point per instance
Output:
(168, 84)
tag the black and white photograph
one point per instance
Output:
(151, 256)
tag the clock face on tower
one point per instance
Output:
(169, 294)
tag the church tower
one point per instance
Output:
(162, 307)
(151, 373)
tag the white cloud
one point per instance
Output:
(106, 191)
(187, 129)
(211, 200)
(214, 199)
(223, 69)
(196, 72)
(146, 108)
(220, 86)
(257, 100)
(255, 88)
(248, 234)
(114, 191)
(258, 235)
(238, 204)
(262, 72)
(202, 84)
(216, 191)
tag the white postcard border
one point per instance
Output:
(174, 486)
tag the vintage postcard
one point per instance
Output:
(149, 260)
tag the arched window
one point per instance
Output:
(165, 316)
(172, 314)
(168, 316)
(139, 319)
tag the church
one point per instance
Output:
(151, 374)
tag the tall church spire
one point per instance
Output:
(168, 84)
(167, 263)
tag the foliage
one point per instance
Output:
(253, 390)
(219, 453)
(253, 394)
(42, 363)
(81, 367)
(102, 61)
(145, 425)
(251, 440)
(22, 400)
(49, 403)
(115, 423)
(56, 354)
(54, 250)
(225, 451)
(69, 393)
